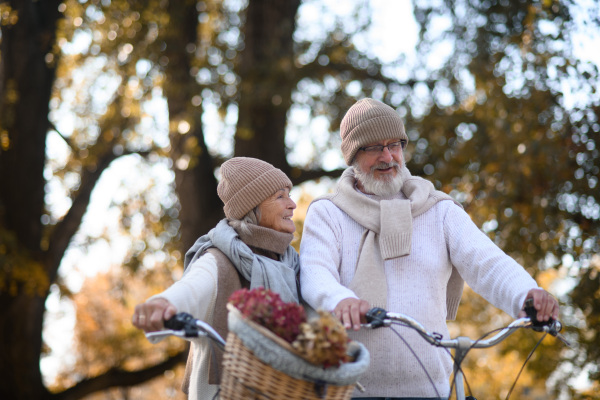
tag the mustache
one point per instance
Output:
(384, 165)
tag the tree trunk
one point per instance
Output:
(27, 74)
(20, 347)
(266, 70)
(195, 183)
(26, 80)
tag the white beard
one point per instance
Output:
(386, 185)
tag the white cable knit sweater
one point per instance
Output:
(443, 236)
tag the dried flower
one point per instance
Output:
(322, 341)
(267, 309)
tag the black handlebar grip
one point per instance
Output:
(179, 322)
(532, 314)
(375, 317)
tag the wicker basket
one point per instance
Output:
(245, 376)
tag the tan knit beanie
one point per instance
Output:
(247, 182)
(369, 121)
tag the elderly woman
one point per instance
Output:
(249, 248)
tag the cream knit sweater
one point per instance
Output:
(442, 237)
(196, 294)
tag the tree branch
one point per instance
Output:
(119, 378)
(67, 140)
(65, 230)
(68, 226)
(298, 175)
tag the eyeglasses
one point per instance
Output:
(393, 147)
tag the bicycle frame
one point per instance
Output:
(462, 345)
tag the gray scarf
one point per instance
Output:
(388, 233)
(260, 271)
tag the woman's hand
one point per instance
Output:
(150, 315)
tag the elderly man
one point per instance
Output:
(385, 238)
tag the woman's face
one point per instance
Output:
(276, 212)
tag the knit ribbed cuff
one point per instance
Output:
(397, 245)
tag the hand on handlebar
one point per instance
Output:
(351, 312)
(545, 305)
(149, 316)
(184, 325)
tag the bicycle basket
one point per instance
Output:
(259, 365)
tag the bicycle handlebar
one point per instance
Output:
(183, 325)
(378, 317)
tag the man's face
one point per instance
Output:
(379, 171)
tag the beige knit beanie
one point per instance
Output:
(247, 182)
(369, 121)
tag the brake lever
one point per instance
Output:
(551, 326)
(180, 325)
(555, 329)
(563, 339)
(376, 318)
(157, 336)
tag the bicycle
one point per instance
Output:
(259, 365)
(378, 317)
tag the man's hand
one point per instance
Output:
(150, 315)
(352, 312)
(545, 305)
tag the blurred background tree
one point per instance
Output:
(510, 127)
(140, 101)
